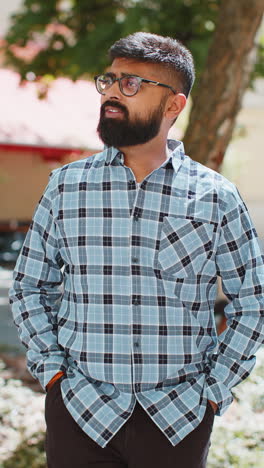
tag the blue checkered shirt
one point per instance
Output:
(134, 320)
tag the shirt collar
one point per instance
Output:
(175, 154)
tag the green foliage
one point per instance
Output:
(73, 36)
(67, 35)
(28, 454)
(259, 68)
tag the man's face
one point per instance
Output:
(131, 120)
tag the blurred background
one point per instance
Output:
(49, 53)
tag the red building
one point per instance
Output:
(37, 135)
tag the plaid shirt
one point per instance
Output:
(135, 318)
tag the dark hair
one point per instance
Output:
(165, 51)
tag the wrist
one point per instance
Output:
(53, 380)
(213, 405)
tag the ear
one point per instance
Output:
(175, 105)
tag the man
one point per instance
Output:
(137, 235)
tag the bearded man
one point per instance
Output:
(137, 235)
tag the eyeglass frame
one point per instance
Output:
(140, 80)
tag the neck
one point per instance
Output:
(144, 159)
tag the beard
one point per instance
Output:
(124, 132)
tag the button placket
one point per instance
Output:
(136, 357)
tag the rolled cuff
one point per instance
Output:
(50, 366)
(219, 394)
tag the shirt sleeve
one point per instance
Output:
(241, 267)
(36, 292)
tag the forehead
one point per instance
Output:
(129, 66)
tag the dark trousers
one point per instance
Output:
(138, 444)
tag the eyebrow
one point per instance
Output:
(122, 74)
(130, 74)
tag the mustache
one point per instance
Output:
(113, 104)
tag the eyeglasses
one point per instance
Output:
(129, 85)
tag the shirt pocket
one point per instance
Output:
(185, 247)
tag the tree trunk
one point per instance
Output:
(218, 99)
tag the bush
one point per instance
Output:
(29, 454)
(21, 418)
(238, 436)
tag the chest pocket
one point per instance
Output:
(185, 247)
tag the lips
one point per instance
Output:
(113, 112)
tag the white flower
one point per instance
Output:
(22, 414)
(238, 436)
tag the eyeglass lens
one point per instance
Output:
(129, 85)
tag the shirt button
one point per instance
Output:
(136, 344)
(136, 217)
(135, 301)
(131, 182)
(134, 259)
